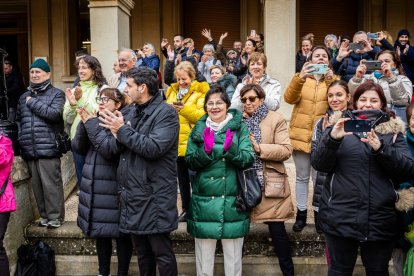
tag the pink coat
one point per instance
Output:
(7, 200)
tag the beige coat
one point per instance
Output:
(274, 149)
(310, 101)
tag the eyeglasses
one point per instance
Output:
(103, 100)
(218, 104)
(251, 99)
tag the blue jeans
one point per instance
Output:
(400, 112)
(79, 162)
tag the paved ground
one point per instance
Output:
(71, 204)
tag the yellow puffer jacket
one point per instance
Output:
(192, 111)
(311, 102)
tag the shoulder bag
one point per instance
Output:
(249, 190)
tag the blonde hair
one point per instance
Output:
(309, 36)
(256, 56)
(221, 68)
(187, 67)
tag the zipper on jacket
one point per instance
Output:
(330, 186)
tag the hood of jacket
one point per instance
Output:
(225, 81)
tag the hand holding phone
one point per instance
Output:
(253, 33)
(319, 69)
(357, 126)
(355, 46)
(373, 65)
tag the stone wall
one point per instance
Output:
(26, 204)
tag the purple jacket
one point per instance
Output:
(7, 200)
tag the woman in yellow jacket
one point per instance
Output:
(307, 91)
(187, 97)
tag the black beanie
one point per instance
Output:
(403, 32)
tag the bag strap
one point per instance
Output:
(3, 187)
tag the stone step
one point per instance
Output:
(76, 253)
(69, 240)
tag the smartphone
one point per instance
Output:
(373, 65)
(355, 46)
(374, 36)
(357, 126)
(319, 69)
(178, 103)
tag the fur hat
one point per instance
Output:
(41, 64)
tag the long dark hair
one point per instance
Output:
(93, 63)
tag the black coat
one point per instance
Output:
(40, 119)
(98, 210)
(300, 61)
(320, 176)
(358, 198)
(15, 88)
(147, 172)
(347, 67)
(169, 77)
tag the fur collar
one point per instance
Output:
(393, 126)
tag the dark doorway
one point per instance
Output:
(219, 16)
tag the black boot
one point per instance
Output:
(317, 223)
(300, 220)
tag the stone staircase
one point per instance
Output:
(76, 254)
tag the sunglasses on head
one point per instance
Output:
(251, 99)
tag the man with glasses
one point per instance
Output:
(126, 59)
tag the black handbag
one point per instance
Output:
(249, 190)
(63, 141)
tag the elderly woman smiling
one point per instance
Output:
(218, 145)
(148, 58)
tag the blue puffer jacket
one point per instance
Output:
(98, 211)
(40, 119)
(153, 62)
(347, 67)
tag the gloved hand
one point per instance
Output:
(208, 137)
(229, 139)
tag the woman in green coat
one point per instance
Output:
(219, 144)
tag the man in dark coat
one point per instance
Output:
(347, 60)
(147, 174)
(40, 112)
(15, 87)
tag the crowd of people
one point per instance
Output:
(133, 143)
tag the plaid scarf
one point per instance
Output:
(253, 124)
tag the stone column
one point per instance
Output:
(110, 21)
(280, 43)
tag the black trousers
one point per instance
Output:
(123, 252)
(4, 261)
(343, 253)
(281, 244)
(155, 250)
(184, 178)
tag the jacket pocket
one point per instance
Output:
(276, 183)
(331, 189)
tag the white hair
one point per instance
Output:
(149, 45)
(209, 47)
(130, 51)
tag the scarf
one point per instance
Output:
(378, 74)
(218, 126)
(181, 93)
(39, 87)
(253, 125)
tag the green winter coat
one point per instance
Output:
(212, 213)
